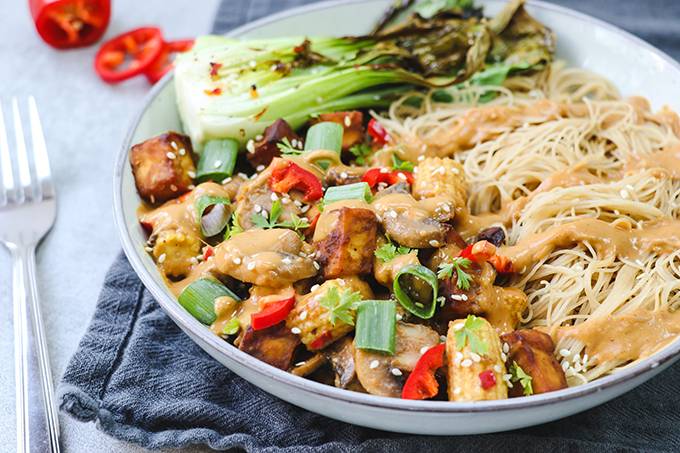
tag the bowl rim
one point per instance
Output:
(209, 340)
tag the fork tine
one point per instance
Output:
(25, 189)
(7, 191)
(40, 158)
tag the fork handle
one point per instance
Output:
(37, 421)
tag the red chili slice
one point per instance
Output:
(377, 132)
(421, 383)
(375, 176)
(275, 309)
(321, 341)
(293, 177)
(487, 379)
(163, 63)
(129, 54)
(65, 24)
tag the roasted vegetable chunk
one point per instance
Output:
(266, 149)
(442, 178)
(162, 166)
(274, 345)
(351, 122)
(348, 247)
(175, 252)
(534, 352)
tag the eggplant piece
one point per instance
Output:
(494, 235)
(162, 166)
(267, 148)
(534, 352)
(274, 345)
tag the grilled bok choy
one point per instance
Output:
(228, 88)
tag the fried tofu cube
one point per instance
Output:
(534, 352)
(274, 345)
(347, 249)
(162, 166)
(352, 124)
(266, 149)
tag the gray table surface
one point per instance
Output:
(84, 121)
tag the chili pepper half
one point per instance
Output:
(482, 251)
(274, 310)
(293, 177)
(421, 383)
(163, 63)
(129, 54)
(66, 24)
(377, 132)
(375, 176)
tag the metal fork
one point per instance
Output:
(27, 212)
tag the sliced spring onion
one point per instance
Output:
(376, 326)
(356, 191)
(218, 160)
(217, 218)
(199, 298)
(415, 287)
(325, 135)
(231, 327)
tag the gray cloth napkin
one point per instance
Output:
(142, 380)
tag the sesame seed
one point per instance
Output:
(295, 330)
(466, 363)
(506, 348)
(173, 187)
(497, 368)
(297, 203)
(504, 357)
(347, 121)
(193, 260)
(374, 364)
(442, 338)
(401, 176)
(259, 168)
(300, 363)
(457, 390)
(217, 164)
(391, 213)
(304, 209)
(456, 297)
(171, 155)
(421, 158)
(226, 180)
(250, 146)
(152, 198)
(242, 175)
(303, 315)
(314, 288)
(396, 371)
(459, 356)
(286, 260)
(174, 145)
(565, 366)
(455, 171)
(285, 200)
(475, 357)
(344, 175)
(424, 349)
(257, 208)
(148, 249)
(274, 197)
(623, 193)
(463, 297)
(251, 266)
(182, 151)
(161, 258)
(565, 352)
(316, 265)
(252, 63)
(457, 327)
(192, 174)
(434, 243)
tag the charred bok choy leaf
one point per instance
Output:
(235, 88)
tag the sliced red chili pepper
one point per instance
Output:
(129, 54)
(501, 263)
(275, 309)
(321, 341)
(66, 24)
(293, 177)
(375, 176)
(208, 252)
(421, 383)
(377, 132)
(163, 63)
(487, 378)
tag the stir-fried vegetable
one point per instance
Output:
(217, 219)
(421, 383)
(217, 160)
(357, 191)
(376, 325)
(199, 298)
(415, 288)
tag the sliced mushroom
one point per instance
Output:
(341, 358)
(309, 366)
(382, 374)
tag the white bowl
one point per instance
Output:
(633, 65)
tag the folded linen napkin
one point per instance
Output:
(141, 379)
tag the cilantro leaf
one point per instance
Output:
(458, 264)
(467, 334)
(295, 223)
(389, 251)
(399, 164)
(518, 374)
(340, 305)
(360, 152)
(275, 212)
(235, 227)
(271, 220)
(287, 148)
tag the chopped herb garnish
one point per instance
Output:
(389, 251)
(517, 374)
(340, 305)
(231, 327)
(462, 277)
(235, 227)
(287, 148)
(468, 334)
(402, 165)
(360, 153)
(272, 219)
